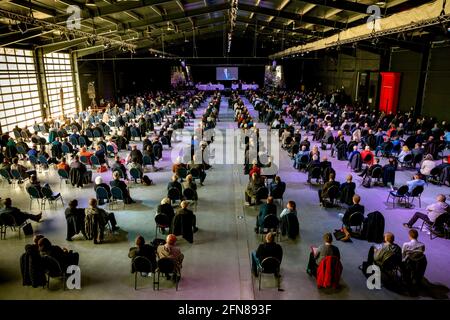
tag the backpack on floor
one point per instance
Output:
(147, 181)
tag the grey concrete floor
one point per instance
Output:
(217, 265)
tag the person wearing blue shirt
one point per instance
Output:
(447, 137)
(33, 151)
(416, 182)
(300, 154)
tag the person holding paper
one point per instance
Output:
(324, 250)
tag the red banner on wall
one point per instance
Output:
(390, 86)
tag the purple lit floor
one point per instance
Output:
(217, 265)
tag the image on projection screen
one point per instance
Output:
(227, 73)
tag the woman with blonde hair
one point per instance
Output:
(405, 151)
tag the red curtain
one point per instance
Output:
(390, 85)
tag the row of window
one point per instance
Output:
(19, 95)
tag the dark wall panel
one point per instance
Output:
(437, 87)
(408, 63)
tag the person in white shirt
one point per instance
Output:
(433, 212)
(290, 209)
(413, 247)
(427, 165)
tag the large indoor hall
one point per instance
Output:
(224, 150)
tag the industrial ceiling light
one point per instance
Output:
(90, 3)
(169, 27)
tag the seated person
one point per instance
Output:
(413, 247)
(196, 165)
(290, 209)
(59, 254)
(86, 153)
(264, 210)
(96, 220)
(254, 168)
(136, 165)
(299, 155)
(381, 253)
(189, 183)
(135, 154)
(427, 165)
(116, 182)
(433, 212)
(267, 249)
(175, 184)
(318, 254)
(183, 210)
(63, 165)
(367, 171)
(169, 250)
(143, 250)
(19, 216)
(405, 151)
(118, 165)
(416, 182)
(24, 172)
(166, 208)
(348, 184)
(99, 183)
(366, 153)
(356, 207)
(254, 184)
(178, 164)
(101, 155)
(277, 184)
(325, 163)
(75, 220)
(113, 144)
(76, 164)
(148, 151)
(315, 163)
(323, 194)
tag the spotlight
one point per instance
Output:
(90, 3)
(107, 45)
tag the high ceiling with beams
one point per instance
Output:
(170, 26)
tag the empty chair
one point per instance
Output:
(5, 175)
(162, 221)
(166, 266)
(400, 194)
(34, 194)
(95, 162)
(269, 265)
(17, 177)
(141, 265)
(117, 194)
(7, 221)
(63, 176)
(43, 161)
(135, 174)
(101, 195)
(53, 269)
(82, 141)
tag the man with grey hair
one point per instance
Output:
(433, 212)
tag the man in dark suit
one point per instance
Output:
(19, 216)
(264, 210)
(356, 207)
(122, 186)
(326, 187)
(325, 163)
(268, 249)
(315, 163)
(175, 184)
